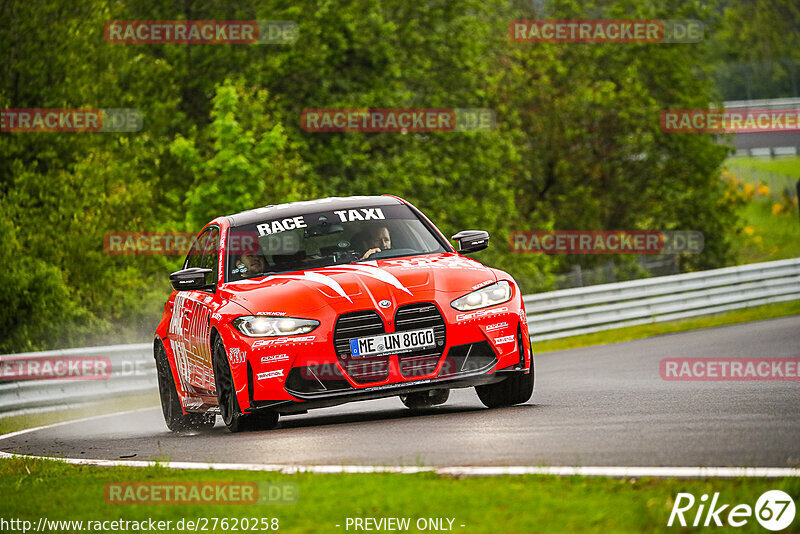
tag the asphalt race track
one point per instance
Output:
(599, 406)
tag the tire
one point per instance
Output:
(176, 420)
(229, 408)
(515, 389)
(425, 399)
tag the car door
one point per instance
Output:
(189, 325)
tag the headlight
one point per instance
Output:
(496, 293)
(263, 326)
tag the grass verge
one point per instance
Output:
(786, 165)
(767, 236)
(756, 313)
(32, 489)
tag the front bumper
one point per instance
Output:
(314, 370)
(335, 398)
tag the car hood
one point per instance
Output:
(360, 285)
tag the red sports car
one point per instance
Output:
(311, 304)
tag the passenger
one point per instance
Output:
(254, 264)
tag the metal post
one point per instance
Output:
(798, 196)
(610, 274)
(577, 275)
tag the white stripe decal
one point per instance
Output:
(372, 272)
(369, 270)
(312, 276)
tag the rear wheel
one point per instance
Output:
(515, 389)
(176, 420)
(425, 399)
(231, 413)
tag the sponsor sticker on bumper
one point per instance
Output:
(269, 374)
(274, 358)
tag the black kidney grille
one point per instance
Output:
(360, 324)
(416, 317)
(368, 323)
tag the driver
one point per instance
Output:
(377, 239)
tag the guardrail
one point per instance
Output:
(584, 310)
(769, 103)
(132, 371)
(552, 315)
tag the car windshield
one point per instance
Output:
(320, 239)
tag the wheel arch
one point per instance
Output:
(242, 384)
(173, 369)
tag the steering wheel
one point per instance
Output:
(391, 252)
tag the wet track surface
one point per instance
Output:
(600, 406)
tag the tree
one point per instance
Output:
(244, 159)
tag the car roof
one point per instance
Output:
(293, 209)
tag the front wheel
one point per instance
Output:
(515, 389)
(229, 409)
(176, 420)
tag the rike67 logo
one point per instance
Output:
(774, 510)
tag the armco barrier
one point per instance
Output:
(132, 371)
(551, 315)
(584, 310)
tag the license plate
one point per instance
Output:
(392, 343)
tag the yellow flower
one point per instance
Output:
(763, 190)
(757, 239)
(748, 230)
(777, 208)
(749, 190)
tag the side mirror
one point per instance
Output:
(471, 240)
(189, 279)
